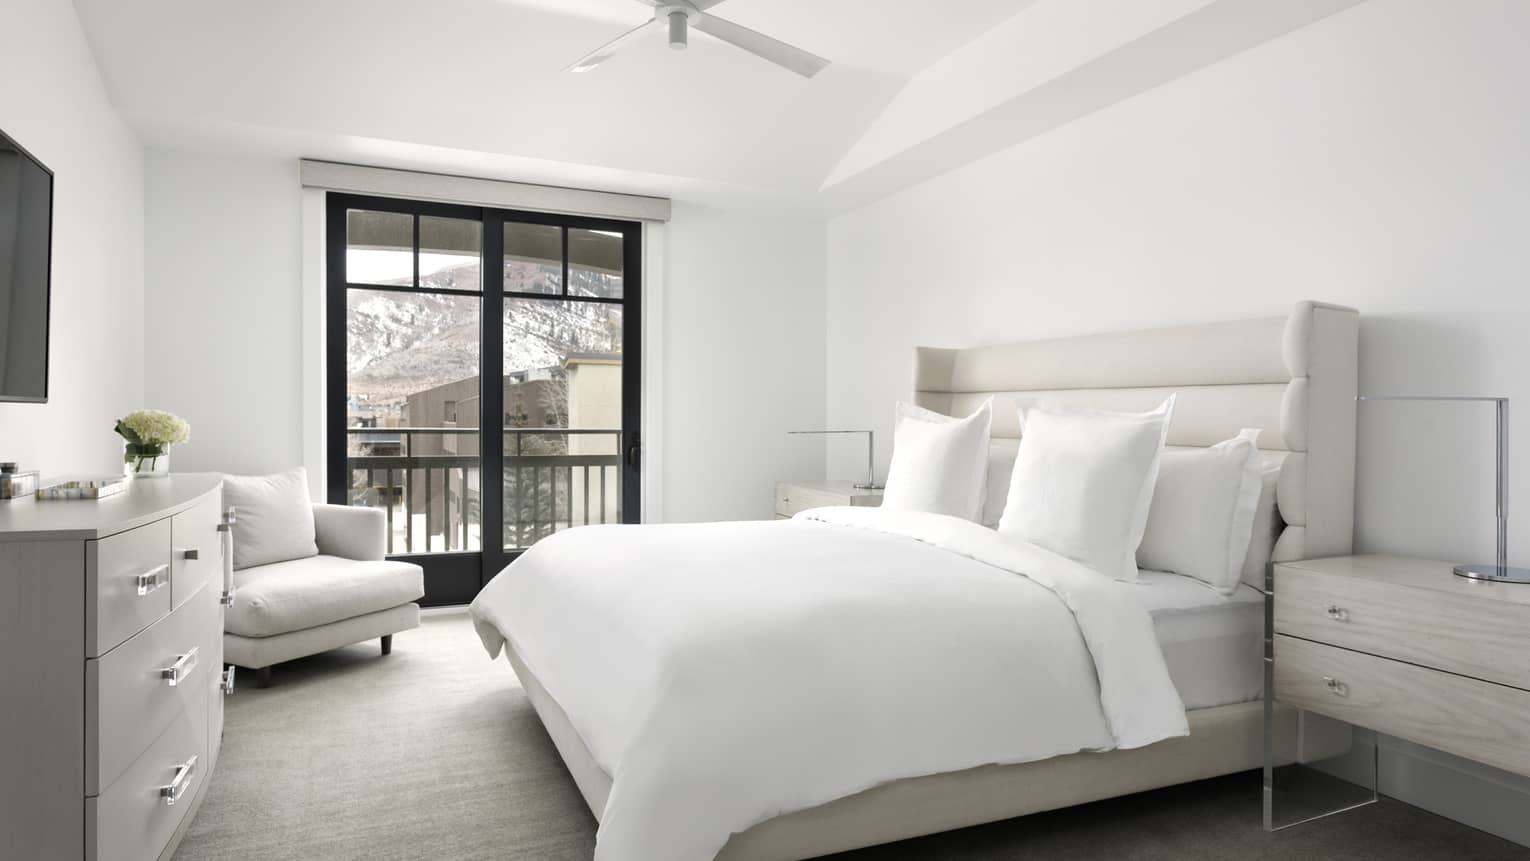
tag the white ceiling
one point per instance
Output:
(477, 83)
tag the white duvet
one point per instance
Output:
(724, 674)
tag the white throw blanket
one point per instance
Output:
(725, 674)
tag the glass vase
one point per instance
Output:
(145, 461)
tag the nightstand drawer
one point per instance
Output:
(1453, 631)
(1475, 719)
(792, 498)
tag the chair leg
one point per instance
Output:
(263, 677)
(387, 644)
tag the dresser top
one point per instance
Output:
(145, 501)
(1414, 573)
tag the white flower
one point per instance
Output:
(155, 428)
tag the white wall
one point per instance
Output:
(223, 307)
(743, 364)
(226, 337)
(1376, 159)
(52, 102)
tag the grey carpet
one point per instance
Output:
(435, 753)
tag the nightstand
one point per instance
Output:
(1401, 647)
(795, 496)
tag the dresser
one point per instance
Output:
(795, 496)
(111, 656)
(1404, 647)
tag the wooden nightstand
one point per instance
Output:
(1406, 648)
(795, 496)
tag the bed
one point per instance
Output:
(661, 742)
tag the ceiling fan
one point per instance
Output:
(680, 15)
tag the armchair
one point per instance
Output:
(348, 593)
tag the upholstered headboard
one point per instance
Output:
(1294, 377)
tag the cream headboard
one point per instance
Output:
(1294, 377)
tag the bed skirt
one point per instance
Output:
(1223, 740)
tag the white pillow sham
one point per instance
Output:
(273, 518)
(939, 463)
(1083, 482)
(1202, 516)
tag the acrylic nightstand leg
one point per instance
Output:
(1314, 766)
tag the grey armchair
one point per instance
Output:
(348, 593)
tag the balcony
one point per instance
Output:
(429, 483)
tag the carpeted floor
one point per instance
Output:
(435, 753)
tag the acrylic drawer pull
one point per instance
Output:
(1337, 613)
(1336, 687)
(153, 579)
(185, 776)
(227, 598)
(178, 671)
(228, 680)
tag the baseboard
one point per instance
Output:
(448, 610)
(1478, 795)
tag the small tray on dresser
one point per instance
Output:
(84, 488)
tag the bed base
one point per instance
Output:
(1223, 740)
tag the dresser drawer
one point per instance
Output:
(197, 557)
(127, 585)
(1485, 639)
(132, 820)
(128, 699)
(1471, 718)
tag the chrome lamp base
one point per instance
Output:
(1491, 573)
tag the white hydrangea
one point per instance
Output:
(154, 428)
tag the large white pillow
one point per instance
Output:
(273, 518)
(1083, 481)
(939, 463)
(1202, 515)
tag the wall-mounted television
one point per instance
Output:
(26, 240)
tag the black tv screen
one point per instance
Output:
(26, 236)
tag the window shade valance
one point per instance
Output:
(358, 179)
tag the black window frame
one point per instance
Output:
(455, 577)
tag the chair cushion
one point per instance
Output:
(273, 517)
(305, 593)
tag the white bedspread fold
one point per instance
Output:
(724, 674)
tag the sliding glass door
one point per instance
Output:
(425, 302)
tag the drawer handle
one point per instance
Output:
(227, 598)
(1337, 613)
(193, 553)
(153, 579)
(1336, 687)
(228, 680)
(185, 776)
(178, 671)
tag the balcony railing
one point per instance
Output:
(429, 482)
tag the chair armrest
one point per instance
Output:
(350, 532)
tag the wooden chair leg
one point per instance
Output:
(263, 677)
(387, 644)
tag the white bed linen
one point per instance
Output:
(725, 674)
(1213, 644)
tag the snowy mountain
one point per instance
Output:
(401, 343)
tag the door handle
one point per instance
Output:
(634, 452)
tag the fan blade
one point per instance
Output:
(604, 52)
(802, 62)
(699, 5)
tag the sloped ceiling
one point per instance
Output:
(476, 87)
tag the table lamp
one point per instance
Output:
(1500, 571)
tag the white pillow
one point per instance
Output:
(1001, 465)
(1202, 515)
(1083, 482)
(939, 463)
(273, 517)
